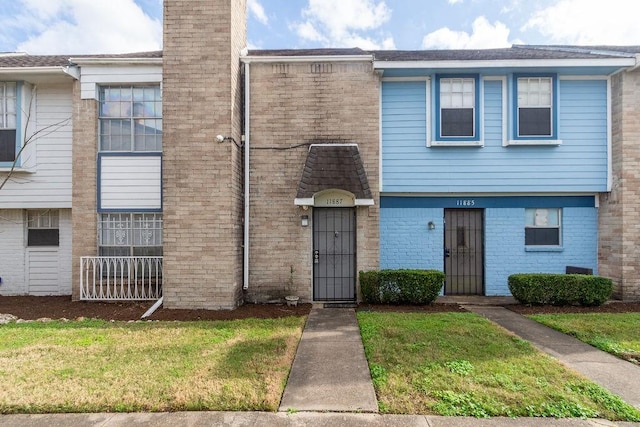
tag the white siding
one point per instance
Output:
(12, 245)
(94, 75)
(131, 182)
(35, 270)
(47, 183)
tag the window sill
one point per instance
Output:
(543, 249)
(17, 169)
(533, 142)
(455, 144)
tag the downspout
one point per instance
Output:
(247, 146)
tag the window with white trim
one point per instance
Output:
(457, 108)
(543, 227)
(130, 234)
(8, 108)
(130, 118)
(535, 109)
(43, 228)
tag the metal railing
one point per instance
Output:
(120, 278)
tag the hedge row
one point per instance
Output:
(560, 289)
(401, 286)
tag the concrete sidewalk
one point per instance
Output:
(330, 371)
(616, 375)
(301, 419)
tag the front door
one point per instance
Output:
(334, 254)
(464, 259)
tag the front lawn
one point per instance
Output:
(617, 333)
(461, 364)
(96, 366)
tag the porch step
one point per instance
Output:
(340, 305)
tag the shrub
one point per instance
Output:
(560, 289)
(401, 286)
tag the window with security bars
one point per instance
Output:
(8, 108)
(130, 234)
(543, 227)
(43, 228)
(130, 118)
(457, 106)
(535, 106)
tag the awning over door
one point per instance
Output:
(334, 167)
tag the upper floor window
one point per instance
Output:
(535, 111)
(130, 118)
(543, 227)
(457, 108)
(8, 108)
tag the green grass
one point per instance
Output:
(461, 364)
(614, 333)
(95, 366)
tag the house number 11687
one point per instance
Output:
(468, 202)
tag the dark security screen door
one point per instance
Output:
(334, 255)
(464, 244)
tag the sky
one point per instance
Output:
(120, 26)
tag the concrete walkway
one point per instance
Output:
(330, 372)
(616, 375)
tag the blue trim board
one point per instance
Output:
(555, 85)
(488, 202)
(19, 132)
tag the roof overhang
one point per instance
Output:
(507, 63)
(40, 74)
(312, 58)
(116, 61)
(333, 176)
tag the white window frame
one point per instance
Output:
(541, 221)
(48, 219)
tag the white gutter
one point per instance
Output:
(153, 308)
(311, 58)
(247, 139)
(107, 61)
(34, 70)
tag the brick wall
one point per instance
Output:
(619, 237)
(83, 219)
(294, 103)
(201, 177)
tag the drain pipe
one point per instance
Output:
(247, 146)
(153, 308)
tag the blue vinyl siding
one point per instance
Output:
(578, 165)
(406, 241)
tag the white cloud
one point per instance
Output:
(82, 26)
(484, 35)
(588, 22)
(344, 23)
(454, 1)
(256, 9)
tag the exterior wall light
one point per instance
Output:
(431, 225)
(304, 220)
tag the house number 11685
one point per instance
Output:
(466, 202)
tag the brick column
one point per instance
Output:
(202, 179)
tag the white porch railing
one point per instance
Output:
(114, 278)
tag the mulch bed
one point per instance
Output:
(57, 307)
